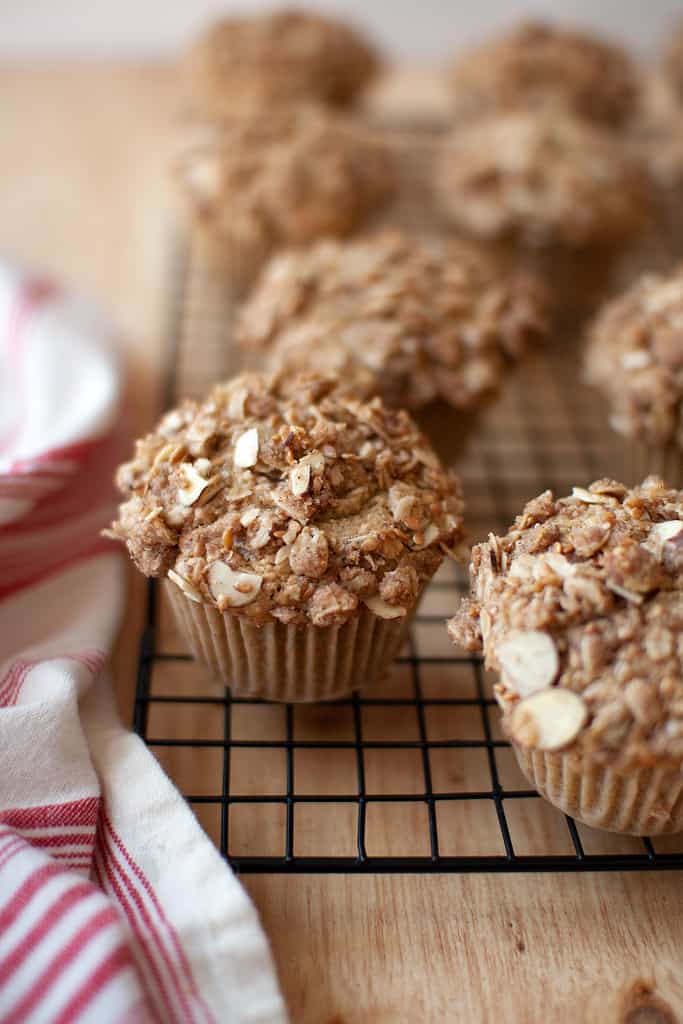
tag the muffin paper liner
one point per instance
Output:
(641, 801)
(284, 662)
(645, 460)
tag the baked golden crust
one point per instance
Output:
(542, 179)
(280, 57)
(284, 499)
(634, 357)
(283, 178)
(579, 607)
(410, 319)
(537, 65)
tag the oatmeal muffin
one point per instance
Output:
(634, 357)
(286, 178)
(579, 609)
(412, 320)
(294, 528)
(549, 190)
(537, 65)
(541, 179)
(279, 57)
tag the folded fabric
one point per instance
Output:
(114, 905)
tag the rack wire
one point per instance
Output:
(415, 777)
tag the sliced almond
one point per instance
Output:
(549, 720)
(187, 588)
(560, 565)
(402, 507)
(194, 484)
(246, 449)
(236, 404)
(236, 588)
(671, 530)
(628, 595)
(378, 606)
(528, 661)
(300, 478)
(175, 515)
(427, 537)
(668, 532)
(282, 555)
(591, 498)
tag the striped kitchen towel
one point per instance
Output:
(114, 905)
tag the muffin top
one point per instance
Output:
(634, 357)
(537, 65)
(284, 499)
(278, 57)
(541, 179)
(409, 319)
(286, 177)
(579, 608)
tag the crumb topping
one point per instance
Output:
(285, 177)
(579, 607)
(537, 65)
(283, 498)
(634, 357)
(283, 56)
(542, 178)
(409, 319)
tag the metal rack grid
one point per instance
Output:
(417, 777)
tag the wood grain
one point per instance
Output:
(84, 153)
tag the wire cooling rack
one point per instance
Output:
(417, 776)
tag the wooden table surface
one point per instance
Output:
(84, 195)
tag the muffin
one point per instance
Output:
(579, 610)
(257, 183)
(634, 357)
(548, 189)
(539, 66)
(294, 529)
(279, 57)
(415, 321)
(656, 137)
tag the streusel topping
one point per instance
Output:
(635, 357)
(285, 177)
(282, 498)
(542, 178)
(409, 319)
(537, 65)
(579, 607)
(278, 57)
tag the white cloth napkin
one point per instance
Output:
(114, 905)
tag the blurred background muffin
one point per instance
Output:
(634, 358)
(281, 56)
(417, 321)
(540, 66)
(257, 183)
(549, 189)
